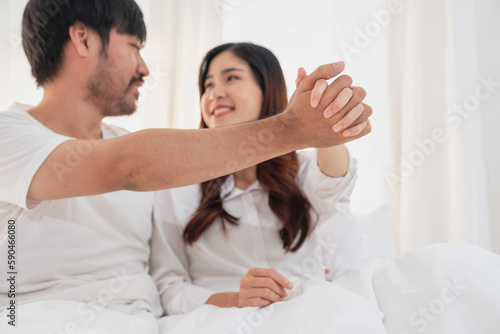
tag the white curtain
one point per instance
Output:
(17, 83)
(179, 33)
(427, 172)
(440, 183)
(427, 165)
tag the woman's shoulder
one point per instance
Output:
(307, 155)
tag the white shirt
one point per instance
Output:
(89, 249)
(188, 275)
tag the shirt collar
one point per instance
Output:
(230, 190)
(227, 186)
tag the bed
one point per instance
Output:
(441, 288)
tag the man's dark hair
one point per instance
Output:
(46, 26)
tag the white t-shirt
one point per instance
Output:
(90, 249)
(187, 276)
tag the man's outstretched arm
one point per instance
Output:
(166, 158)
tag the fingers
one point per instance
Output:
(257, 302)
(355, 130)
(278, 278)
(358, 125)
(366, 130)
(265, 283)
(353, 112)
(349, 118)
(340, 101)
(262, 295)
(300, 76)
(319, 88)
(261, 287)
(326, 72)
(331, 93)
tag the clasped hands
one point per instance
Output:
(343, 110)
(263, 286)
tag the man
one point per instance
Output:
(75, 194)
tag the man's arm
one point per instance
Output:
(165, 158)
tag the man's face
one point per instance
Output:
(113, 87)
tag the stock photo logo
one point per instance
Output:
(422, 319)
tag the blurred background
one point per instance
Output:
(428, 172)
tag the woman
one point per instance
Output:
(244, 239)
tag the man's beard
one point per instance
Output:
(102, 91)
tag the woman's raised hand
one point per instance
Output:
(262, 287)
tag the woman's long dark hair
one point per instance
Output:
(277, 176)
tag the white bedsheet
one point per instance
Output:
(313, 307)
(442, 288)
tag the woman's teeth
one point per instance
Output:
(221, 110)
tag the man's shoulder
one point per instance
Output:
(14, 115)
(13, 110)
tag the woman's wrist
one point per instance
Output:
(333, 161)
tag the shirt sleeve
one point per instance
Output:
(343, 243)
(169, 265)
(327, 195)
(24, 146)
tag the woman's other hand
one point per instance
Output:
(262, 287)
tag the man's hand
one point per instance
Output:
(341, 106)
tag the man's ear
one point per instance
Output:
(79, 35)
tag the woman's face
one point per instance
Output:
(231, 95)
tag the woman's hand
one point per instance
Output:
(262, 287)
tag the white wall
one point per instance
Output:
(309, 33)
